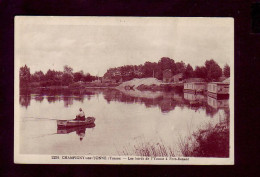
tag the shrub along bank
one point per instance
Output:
(208, 142)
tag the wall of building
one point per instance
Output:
(200, 87)
(178, 78)
(195, 86)
(212, 87)
(188, 86)
(223, 89)
(218, 88)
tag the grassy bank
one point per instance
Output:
(211, 141)
(144, 149)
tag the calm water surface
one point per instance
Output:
(123, 119)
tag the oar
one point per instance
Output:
(41, 118)
(44, 135)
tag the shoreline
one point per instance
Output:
(142, 87)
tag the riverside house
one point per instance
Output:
(167, 76)
(218, 89)
(195, 87)
(178, 77)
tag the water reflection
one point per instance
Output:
(218, 103)
(80, 130)
(53, 99)
(121, 116)
(68, 101)
(195, 101)
(166, 101)
(25, 100)
(39, 98)
(214, 104)
(80, 98)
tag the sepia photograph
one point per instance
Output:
(124, 90)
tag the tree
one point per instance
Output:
(167, 63)
(50, 75)
(24, 76)
(213, 70)
(58, 76)
(37, 76)
(89, 78)
(188, 72)
(78, 76)
(67, 76)
(150, 69)
(68, 69)
(67, 79)
(200, 72)
(226, 71)
(180, 67)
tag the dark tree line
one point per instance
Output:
(210, 71)
(52, 77)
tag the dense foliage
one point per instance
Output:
(226, 71)
(25, 76)
(52, 77)
(211, 71)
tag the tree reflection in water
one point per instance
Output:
(39, 98)
(166, 101)
(79, 98)
(25, 100)
(53, 99)
(67, 101)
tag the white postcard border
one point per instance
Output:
(101, 159)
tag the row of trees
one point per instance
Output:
(52, 77)
(210, 71)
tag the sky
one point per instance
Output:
(95, 44)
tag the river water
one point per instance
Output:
(125, 120)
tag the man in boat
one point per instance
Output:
(81, 115)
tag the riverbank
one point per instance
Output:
(210, 141)
(141, 84)
(76, 85)
(149, 84)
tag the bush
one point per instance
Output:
(77, 85)
(208, 142)
(35, 84)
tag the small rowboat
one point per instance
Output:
(66, 130)
(129, 87)
(74, 123)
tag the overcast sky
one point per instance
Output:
(96, 44)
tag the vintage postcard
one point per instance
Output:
(124, 90)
